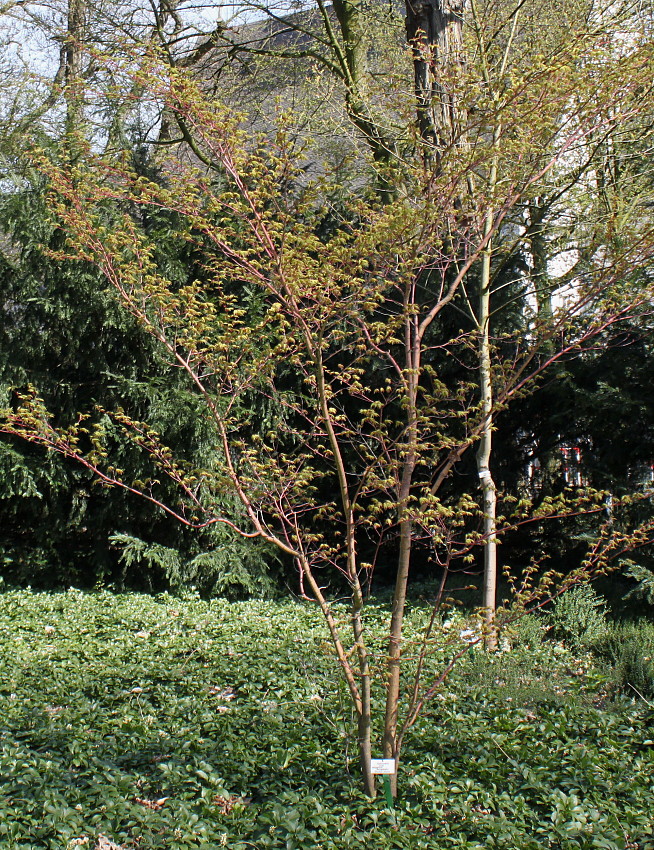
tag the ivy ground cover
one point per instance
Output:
(136, 722)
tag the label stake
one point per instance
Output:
(387, 790)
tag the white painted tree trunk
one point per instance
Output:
(489, 493)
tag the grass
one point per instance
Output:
(144, 722)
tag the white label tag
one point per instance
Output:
(381, 766)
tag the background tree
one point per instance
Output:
(63, 329)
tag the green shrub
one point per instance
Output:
(629, 648)
(529, 631)
(578, 618)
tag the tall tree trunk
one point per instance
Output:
(73, 93)
(489, 493)
(538, 250)
(434, 29)
(435, 32)
(413, 351)
(351, 55)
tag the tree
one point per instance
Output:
(507, 40)
(59, 324)
(62, 329)
(343, 332)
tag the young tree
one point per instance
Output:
(347, 319)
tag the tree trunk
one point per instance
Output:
(434, 29)
(395, 648)
(538, 250)
(413, 352)
(435, 32)
(483, 462)
(489, 493)
(364, 728)
(73, 93)
(353, 63)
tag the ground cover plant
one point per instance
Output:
(138, 722)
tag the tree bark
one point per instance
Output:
(538, 250)
(489, 493)
(352, 59)
(364, 725)
(73, 93)
(434, 29)
(413, 352)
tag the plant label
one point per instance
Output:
(382, 766)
